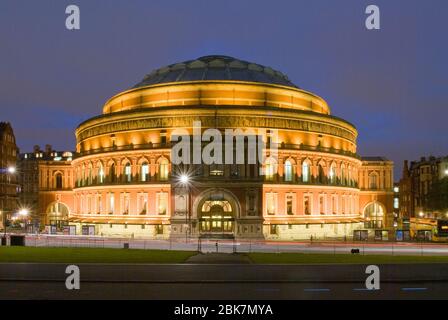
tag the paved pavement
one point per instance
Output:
(225, 281)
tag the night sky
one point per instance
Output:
(390, 83)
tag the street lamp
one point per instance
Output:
(9, 171)
(24, 214)
(184, 180)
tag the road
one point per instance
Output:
(227, 282)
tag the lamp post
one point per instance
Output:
(9, 171)
(24, 214)
(184, 180)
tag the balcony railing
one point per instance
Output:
(169, 145)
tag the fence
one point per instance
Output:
(237, 246)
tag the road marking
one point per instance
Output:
(414, 289)
(316, 290)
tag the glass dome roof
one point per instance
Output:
(215, 67)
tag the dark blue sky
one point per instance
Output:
(391, 83)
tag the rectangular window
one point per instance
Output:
(126, 203)
(273, 229)
(289, 204)
(321, 205)
(111, 203)
(373, 181)
(143, 203)
(271, 203)
(334, 205)
(162, 202)
(99, 204)
(307, 205)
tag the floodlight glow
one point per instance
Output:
(23, 212)
(184, 179)
(11, 170)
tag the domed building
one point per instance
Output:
(311, 182)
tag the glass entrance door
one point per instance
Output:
(217, 221)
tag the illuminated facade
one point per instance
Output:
(8, 174)
(123, 181)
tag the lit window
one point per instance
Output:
(270, 169)
(288, 171)
(332, 174)
(143, 208)
(127, 172)
(271, 204)
(163, 169)
(145, 172)
(101, 174)
(126, 203)
(111, 203)
(396, 203)
(162, 203)
(305, 172)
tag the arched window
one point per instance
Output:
(84, 175)
(57, 215)
(343, 176)
(374, 214)
(373, 181)
(78, 177)
(100, 173)
(270, 168)
(112, 176)
(144, 172)
(288, 170)
(331, 174)
(163, 169)
(90, 175)
(58, 181)
(127, 172)
(305, 172)
(321, 174)
(349, 176)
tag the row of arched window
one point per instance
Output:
(90, 175)
(336, 175)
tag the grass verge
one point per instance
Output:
(91, 255)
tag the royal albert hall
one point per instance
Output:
(122, 181)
